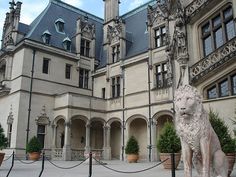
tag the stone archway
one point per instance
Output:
(138, 128)
(60, 133)
(115, 141)
(78, 134)
(96, 134)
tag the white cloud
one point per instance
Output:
(76, 3)
(136, 3)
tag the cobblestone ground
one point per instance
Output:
(33, 170)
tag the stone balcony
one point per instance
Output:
(215, 60)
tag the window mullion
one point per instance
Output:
(223, 27)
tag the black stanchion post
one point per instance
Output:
(42, 164)
(12, 163)
(90, 164)
(173, 164)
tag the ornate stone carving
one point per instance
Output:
(195, 6)
(212, 61)
(153, 16)
(43, 119)
(200, 143)
(87, 29)
(114, 32)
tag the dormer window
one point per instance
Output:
(60, 25)
(46, 37)
(85, 47)
(67, 44)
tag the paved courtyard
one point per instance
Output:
(33, 170)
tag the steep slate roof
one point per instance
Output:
(135, 20)
(56, 10)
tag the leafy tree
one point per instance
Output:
(132, 146)
(34, 145)
(3, 139)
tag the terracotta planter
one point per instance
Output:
(34, 156)
(167, 164)
(132, 158)
(231, 160)
(1, 157)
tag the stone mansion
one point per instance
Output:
(81, 83)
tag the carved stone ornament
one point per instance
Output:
(153, 16)
(43, 119)
(10, 118)
(114, 32)
(200, 143)
(87, 29)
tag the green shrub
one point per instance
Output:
(132, 146)
(226, 141)
(168, 142)
(34, 145)
(3, 139)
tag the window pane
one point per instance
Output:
(163, 30)
(206, 29)
(86, 77)
(234, 84)
(41, 139)
(217, 21)
(157, 32)
(224, 88)
(228, 13)
(45, 66)
(230, 29)
(207, 45)
(212, 93)
(165, 67)
(159, 80)
(113, 91)
(219, 38)
(41, 129)
(118, 90)
(158, 69)
(68, 68)
(81, 76)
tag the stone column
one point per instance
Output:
(54, 136)
(154, 155)
(107, 146)
(87, 143)
(67, 145)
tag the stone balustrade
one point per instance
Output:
(77, 154)
(195, 6)
(214, 60)
(57, 154)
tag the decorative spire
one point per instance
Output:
(12, 5)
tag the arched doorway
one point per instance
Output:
(115, 141)
(78, 134)
(138, 128)
(96, 135)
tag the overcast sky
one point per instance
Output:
(32, 8)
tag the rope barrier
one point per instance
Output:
(8, 158)
(65, 168)
(27, 163)
(129, 172)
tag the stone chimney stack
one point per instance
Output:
(111, 10)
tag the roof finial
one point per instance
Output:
(12, 4)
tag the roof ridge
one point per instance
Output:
(77, 10)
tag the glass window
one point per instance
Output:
(161, 75)
(68, 71)
(160, 37)
(115, 53)
(85, 47)
(83, 78)
(212, 93)
(103, 93)
(41, 134)
(234, 84)
(115, 87)
(45, 65)
(60, 27)
(224, 88)
(216, 28)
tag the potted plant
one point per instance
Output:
(132, 150)
(168, 143)
(34, 148)
(3, 144)
(226, 141)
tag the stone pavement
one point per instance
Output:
(33, 170)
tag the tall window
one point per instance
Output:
(83, 78)
(160, 36)
(103, 93)
(9, 135)
(115, 87)
(85, 47)
(41, 134)
(224, 87)
(161, 75)
(68, 71)
(218, 30)
(115, 53)
(46, 65)
(60, 25)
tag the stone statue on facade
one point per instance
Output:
(200, 144)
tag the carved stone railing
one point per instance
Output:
(195, 6)
(77, 154)
(57, 154)
(214, 60)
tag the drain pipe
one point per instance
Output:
(149, 113)
(30, 98)
(123, 114)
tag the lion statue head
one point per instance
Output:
(188, 102)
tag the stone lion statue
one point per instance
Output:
(200, 144)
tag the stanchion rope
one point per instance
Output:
(138, 171)
(8, 158)
(27, 163)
